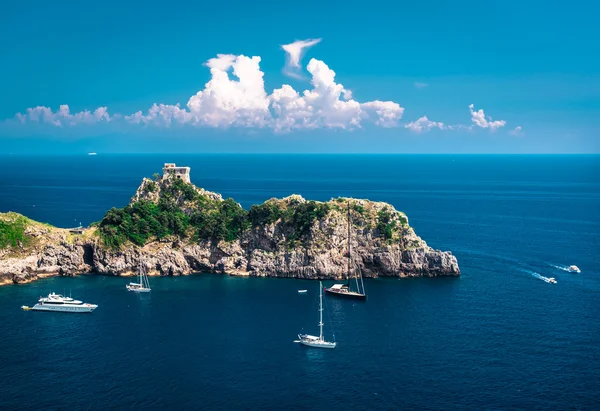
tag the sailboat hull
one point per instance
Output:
(346, 294)
(316, 342)
(321, 344)
(137, 289)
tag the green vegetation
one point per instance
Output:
(297, 218)
(223, 220)
(142, 221)
(385, 224)
(301, 217)
(185, 212)
(358, 208)
(12, 233)
(150, 187)
(267, 213)
(204, 219)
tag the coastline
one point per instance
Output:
(172, 227)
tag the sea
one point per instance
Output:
(497, 337)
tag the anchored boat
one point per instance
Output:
(143, 286)
(314, 341)
(344, 290)
(57, 302)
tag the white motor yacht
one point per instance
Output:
(57, 302)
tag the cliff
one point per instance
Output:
(175, 228)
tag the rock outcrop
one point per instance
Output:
(270, 249)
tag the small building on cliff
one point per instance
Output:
(171, 170)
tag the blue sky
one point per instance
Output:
(533, 68)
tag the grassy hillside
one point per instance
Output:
(170, 207)
(12, 230)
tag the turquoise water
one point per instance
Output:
(495, 338)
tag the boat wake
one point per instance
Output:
(569, 269)
(550, 280)
(559, 267)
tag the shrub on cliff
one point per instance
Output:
(12, 233)
(142, 221)
(385, 224)
(176, 187)
(296, 219)
(266, 213)
(219, 220)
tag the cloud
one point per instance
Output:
(227, 102)
(294, 53)
(235, 96)
(424, 125)
(517, 131)
(418, 84)
(63, 116)
(479, 119)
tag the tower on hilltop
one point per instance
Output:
(170, 170)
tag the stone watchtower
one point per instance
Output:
(171, 170)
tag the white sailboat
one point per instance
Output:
(143, 286)
(311, 340)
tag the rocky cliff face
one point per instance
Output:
(269, 248)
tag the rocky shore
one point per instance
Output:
(278, 245)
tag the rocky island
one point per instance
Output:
(172, 227)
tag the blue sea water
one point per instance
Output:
(495, 338)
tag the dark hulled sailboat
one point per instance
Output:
(345, 290)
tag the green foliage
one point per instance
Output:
(297, 219)
(358, 208)
(301, 217)
(403, 220)
(266, 213)
(203, 219)
(175, 187)
(385, 224)
(150, 187)
(142, 221)
(219, 220)
(184, 212)
(12, 233)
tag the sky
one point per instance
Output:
(299, 77)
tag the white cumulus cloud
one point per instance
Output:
(423, 124)
(243, 102)
(481, 120)
(235, 96)
(63, 116)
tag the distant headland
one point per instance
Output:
(172, 227)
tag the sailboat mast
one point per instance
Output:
(348, 243)
(349, 252)
(320, 310)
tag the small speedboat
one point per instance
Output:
(302, 291)
(574, 269)
(552, 280)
